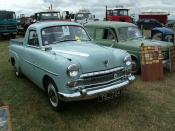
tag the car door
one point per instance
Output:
(32, 46)
(105, 36)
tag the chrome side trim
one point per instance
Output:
(101, 72)
(41, 68)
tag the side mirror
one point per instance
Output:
(113, 42)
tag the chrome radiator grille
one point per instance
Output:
(95, 78)
(8, 27)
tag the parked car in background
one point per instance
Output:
(171, 24)
(84, 16)
(148, 23)
(47, 16)
(124, 36)
(8, 23)
(61, 58)
(163, 34)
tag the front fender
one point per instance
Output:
(55, 67)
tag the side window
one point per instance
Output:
(99, 34)
(169, 38)
(157, 36)
(33, 38)
(104, 34)
(108, 34)
(123, 34)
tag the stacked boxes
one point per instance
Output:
(151, 55)
(151, 63)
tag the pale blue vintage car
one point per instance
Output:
(61, 58)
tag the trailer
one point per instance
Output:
(162, 17)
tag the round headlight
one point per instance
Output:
(73, 70)
(127, 60)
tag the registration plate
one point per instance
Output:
(109, 95)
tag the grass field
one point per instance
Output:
(143, 106)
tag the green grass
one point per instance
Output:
(143, 106)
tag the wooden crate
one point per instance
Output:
(151, 63)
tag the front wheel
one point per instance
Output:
(18, 73)
(135, 67)
(53, 97)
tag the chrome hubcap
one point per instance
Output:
(53, 97)
(17, 73)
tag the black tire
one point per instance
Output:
(135, 66)
(53, 97)
(18, 73)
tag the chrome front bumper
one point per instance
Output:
(164, 62)
(84, 94)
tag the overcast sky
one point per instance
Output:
(97, 7)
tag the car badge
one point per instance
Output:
(106, 63)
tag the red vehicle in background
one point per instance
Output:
(118, 14)
(162, 17)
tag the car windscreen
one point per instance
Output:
(126, 33)
(58, 34)
(50, 16)
(82, 16)
(123, 12)
(7, 15)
